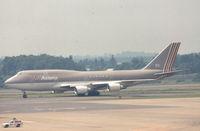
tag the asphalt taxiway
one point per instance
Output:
(75, 114)
(62, 104)
(105, 113)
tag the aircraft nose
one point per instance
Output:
(8, 81)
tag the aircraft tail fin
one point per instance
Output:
(165, 60)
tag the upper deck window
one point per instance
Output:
(19, 73)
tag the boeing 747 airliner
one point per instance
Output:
(91, 82)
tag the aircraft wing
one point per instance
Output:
(124, 83)
(63, 85)
(105, 84)
(93, 85)
(135, 82)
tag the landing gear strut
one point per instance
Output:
(25, 95)
(93, 93)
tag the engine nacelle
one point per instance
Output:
(81, 90)
(114, 87)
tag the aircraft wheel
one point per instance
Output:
(25, 95)
(93, 93)
(81, 95)
(6, 126)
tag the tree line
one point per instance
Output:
(11, 65)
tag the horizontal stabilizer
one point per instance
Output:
(168, 73)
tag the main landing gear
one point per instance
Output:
(24, 95)
(93, 93)
(90, 93)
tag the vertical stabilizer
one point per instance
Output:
(165, 60)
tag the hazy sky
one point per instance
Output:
(94, 27)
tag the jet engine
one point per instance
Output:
(81, 90)
(114, 87)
